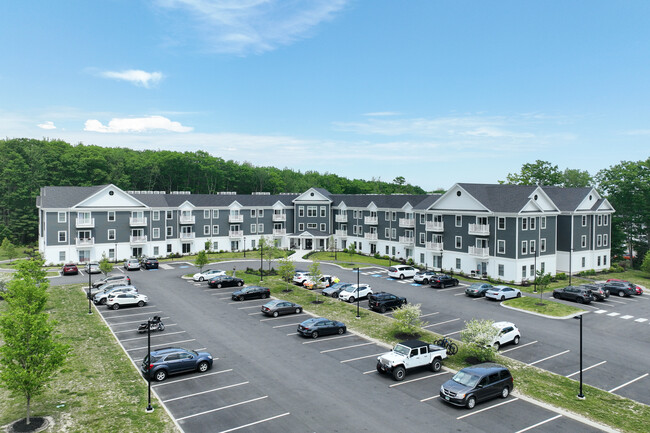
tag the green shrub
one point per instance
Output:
(561, 276)
(407, 319)
(477, 338)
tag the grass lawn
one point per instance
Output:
(347, 261)
(98, 389)
(549, 308)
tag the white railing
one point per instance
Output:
(479, 229)
(434, 246)
(372, 221)
(435, 226)
(341, 218)
(137, 221)
(406, 240)
(279, 232)
(479, 252)
(87, 223)
(84, 242)
(407, 222)
(342, 233)
(187, 219)
(187, 235)
(370, 236)
(235, 233)
(279, 217)
(235, 218)
(138, 239)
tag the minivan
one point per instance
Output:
(477, 383)
(401, 271)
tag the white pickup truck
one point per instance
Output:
(411, 354)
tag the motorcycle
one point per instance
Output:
(155, 324)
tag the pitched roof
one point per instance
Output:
(66, 196)
(380, 200)
(567, 199)
(500, 197)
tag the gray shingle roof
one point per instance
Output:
(500, 197)
(567, 199)
(380, 200)
(66, 196)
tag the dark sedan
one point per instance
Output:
(277, 307)
(318, 326)
(225, 281)
(149, 263)
(335, 289)
(443, 280)
(251, 292)
(477, 290)
(597, 292)
(580, 295)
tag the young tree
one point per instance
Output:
(407, 319)
(207, 245)
(286, 269)
(31, 352)
(315, 271)
(352, 250)
(104, 265)
(8, 249)
(645, 266)
(478, 336)
(542, 281)
(201, 260)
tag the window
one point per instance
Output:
(501, 223)
(354, 230)
(583, 241)
(169, 215)
(459, 242)
(542, 222)
(459, 221)
(387, 218)
(61, 217)
(600, 221)
(355, 214)
(301, 226)
(524, 247)
(111, 234)
(598, 259)
(260, 213)
(501, 270)
(523, 271)
(323, 211)
(532, 247)
(605, 220)
(156, 251)
(155, 215)
(584, 221)
(301, 211)
(604, 240)
(501, 247)
(63, 236)
(215, 229)
(253, 213)
(583, 262)
(422, 235)
(253, 228)
(604, 260)
(458, 263)
(215, 213)
(260, 228)
(421, 257)
(169, 248)
(323, 227)
(215, 246)
(394, 216)
(206, 230)
(393, 251)
(110, 215)
(542, 268)
(542, 245)
(155, 232)
(532, 270)
(62, 256)
(170, 231)
(599, 240)
(524, 223)
(311, 211)
(387, 235)
(532, 223)
(387, 247)
(422, 218)
(393, 234)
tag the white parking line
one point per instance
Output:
(487, 408)
(222, 408)
(440, 323)
(585, 369)
(452, 333)
(128, 315)
(289, 324)
(370, 371)
(254, 423)
(617, 302)
(641, 320)
(429, 398)
(626, 317)
(221, 299)
(459, 294)
(248, 308)
(418, 379)
(549, 357)
(449, 288)
(346, 347)
(169, 382)
(614, 314)
(328, 339)
(600, 311)
(429, 314)
(134, 321)
(518, 347)
(279, 317)
(155, 335)
(170, 343)
(538, 424)
(132, 314)
(205, 392)
(360, 357)
(627, 383)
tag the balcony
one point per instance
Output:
(370, 236)
(407, 223)
(232, 218)
(341, 233)
(479, 229)
(435, 226)
(236, 233)
(434, 246)
(187, 235)
(138, 221)
(84, 242)
(85, 223)
(479, 252)
(187, 219)
(279, 217)
(371, 221)
(279, 232)
(341, 218)
(138, 240)
(407, 239)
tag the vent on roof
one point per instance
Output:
(227, 193)
(180, 192)
(261, 193)
(288, 193)
(147, 192)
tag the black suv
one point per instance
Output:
(149, 263)
(173, 360)
(382, 301)
(443, 280)
(620, 288)
(477, 383)
(580, 294)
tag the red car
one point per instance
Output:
(637, 290)
(70, 269)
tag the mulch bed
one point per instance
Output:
(36, 423)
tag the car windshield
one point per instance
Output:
(476, 286)
(466, 379)
(402, 350)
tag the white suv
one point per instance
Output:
(352, 293)
(508, 333)
(401, 271)
(300, 277)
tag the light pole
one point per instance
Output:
(244, 246)
(89, 286)
(358, 291)
(581, 396)
(535, 273)
(261, 261)
(570, 260)
(149, 409)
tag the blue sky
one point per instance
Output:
(436, 91)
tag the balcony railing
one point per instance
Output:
(84, 242)
(406, 240)
(479, 252)
(235, 218)
(342, 233)
(479, 229)
(407, 222)
(138, 221)
(341, 218)
(187, 219)
(138, 239)
(236, 233)
(279, 232)
(85, 223)
(372, 221)
(187, 235)
(279, 217)
(370, 236)
(435, 226)
(435, 246)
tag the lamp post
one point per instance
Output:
(115, 252)
(535, 273)
(244, 246)
(261, 261)
(581, 396)
(149, 409)
(570, 260)
(89, 286)
(358, 291)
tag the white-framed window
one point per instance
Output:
(387, 233)
(393, 233)
(311, 211)
(215, 229)
(110, 215)
(155, 232)
(605, 220)
(604, 260)
(169, 215)
(111, 253)
(156, 251)
(598, 261)
(394, 216)
(501, 223)
(387, 250)
(583, 241)
(354, 229)
(62, 256)
(169, 248)
(542, 222)
(215, 213)
(524, 223)
(458, 263)
(584, 221)
(260, 213)
(63, 236)
(301, 211)
(532, 247)
(170, 231)
(387, 218)
(215, 246)
(323, 211)
(599, 240)
(312, 226)
(459, 221)
(322, 227)
(355, 214)
(206, 230)
(584, 262)
(253, 228)
(532, 223)
(459, 242)
(422, 218)
(523, 271)
(301, 226)
(253, 213)
(206, 214)
(524, 247)
(532, 270)
(542, 245)
(501, 246)
(501, 270)
(155, 215)
(61, 217)
(111, 234)
(422, 237)
(260, 228)
(599, 220)
(605, 240)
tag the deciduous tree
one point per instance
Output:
(201, 260)
(104, 265)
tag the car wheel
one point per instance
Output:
(201, 279)
(264, 295)
(519, 295)
(456, 282)
(276, 314)
(203, 366)
(621, 293)
(556, 296)
(382, 309)
(503, 297)
(239, 283)
(497, 345)
(351, 299)
(401, 276)
(399, 373)
(579, 300)
(161, 327)
(116, 306)
(160, 375)
(516, 340)
(314, 334)
(341, 331)
(298, 310)
(218, 285)
(379, 369)
(140, 303)
(471, 402)
(436, 365)
(505, 392)
(425, 281)
(240, 298)
(103, 301)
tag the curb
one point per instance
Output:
(570, 316)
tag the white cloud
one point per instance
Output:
(136, 124)
(638, 132)
(245, 26)
(135, 76)
(47, 125)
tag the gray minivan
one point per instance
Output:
(477, 383)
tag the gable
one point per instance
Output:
(539, 202)
(605, 206)
(110, 197)
(186, 206)
(457, 198)
(235, 205)
(588, 201)
(373, 207)
(278, 205)
(312, 195)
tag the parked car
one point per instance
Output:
(149, 263)
(132, 264)
(70, 269)
(101, 297)
(477, 383)
(597, 291)
(111, 285)
(638, 290)
(424, 277)
(278, 307)
(581, 295)
(401, 271)
(352, 292)
(620, 288)
(323, 282)
(317, 326)
(508, 333)
(442, 280)
(208, 275)
(251, 292)
(411, 354)
(112, 278)
(92, 268)
(335, 289)
(502, 293)
(476, 290)
(300, 277)
(129, 299)
(173, 360)
(225, 281)
(383, 301)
